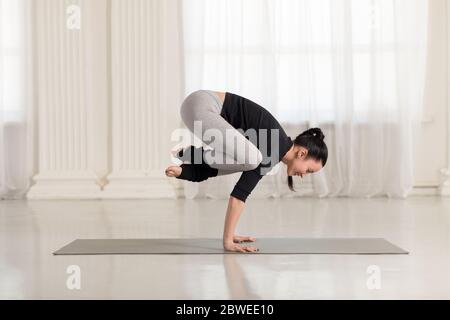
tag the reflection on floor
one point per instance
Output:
(31, 230)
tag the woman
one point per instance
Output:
(227, 114)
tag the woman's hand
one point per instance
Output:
(240, 239)
(231, 246)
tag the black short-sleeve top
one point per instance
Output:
(245, 114)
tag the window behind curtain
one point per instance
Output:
(307, 37)
(11, 60)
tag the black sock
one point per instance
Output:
(197, 172)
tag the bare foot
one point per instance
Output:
(173, 171)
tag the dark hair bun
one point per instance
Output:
(314, 132)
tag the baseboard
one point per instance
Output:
(424, 191)
(117, 187)
(151, 187)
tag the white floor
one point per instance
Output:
(31, 230)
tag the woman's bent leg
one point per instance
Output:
(232, 151)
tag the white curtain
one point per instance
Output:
(16, 98)
(354, 68)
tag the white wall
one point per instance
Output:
(72, 99)
(432, 147)
(108, 98)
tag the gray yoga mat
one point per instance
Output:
(214, 246)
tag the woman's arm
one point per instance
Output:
(234, 210)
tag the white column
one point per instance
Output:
(444, 187)
(146, 96)
(72, 100)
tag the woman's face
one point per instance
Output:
(300, 165)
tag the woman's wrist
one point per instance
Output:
(235, 207)
(227, 239)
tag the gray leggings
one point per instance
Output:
(233, 152)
